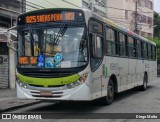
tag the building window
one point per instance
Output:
(147, 3)
(143, 19)
(139, 17)
(150, 5)
(150, 20)
(143, 3)
(139, 2)
(149, 35)
(143, 34)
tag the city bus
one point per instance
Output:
(76, 55)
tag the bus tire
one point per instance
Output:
(107, 100)
(145, 83)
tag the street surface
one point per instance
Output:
(131, 101)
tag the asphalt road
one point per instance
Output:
(131, 101)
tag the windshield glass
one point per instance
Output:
(57, 47)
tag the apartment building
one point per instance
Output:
(9, 10)
(98, 6)
(123, 12)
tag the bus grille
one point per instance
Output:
(40, 74)
(54, 94)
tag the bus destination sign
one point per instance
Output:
(63, 16)
(67, 16)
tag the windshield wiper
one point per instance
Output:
(60, 34)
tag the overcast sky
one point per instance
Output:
(157, 5)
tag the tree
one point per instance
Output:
(157, 22)
(156, 38)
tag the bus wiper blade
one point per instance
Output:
(60, 34)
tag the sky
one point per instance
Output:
(157, 6)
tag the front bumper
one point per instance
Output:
(79, 93)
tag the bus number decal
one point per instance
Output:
(113, 66)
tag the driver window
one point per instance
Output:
(96, 40)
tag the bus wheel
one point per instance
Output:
(110, 93)
(145, 81)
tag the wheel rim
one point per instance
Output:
(110, 91)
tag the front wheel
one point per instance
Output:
(110, 93)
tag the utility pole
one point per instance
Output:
(136, 17)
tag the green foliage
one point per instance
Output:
(156, 38)
(157, 22)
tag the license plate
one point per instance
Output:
(46, 93)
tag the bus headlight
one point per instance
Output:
(24, 85)
(81, 80)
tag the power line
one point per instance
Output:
(70, 3)
(51, 3)
(35, 4)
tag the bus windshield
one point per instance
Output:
(58, 47)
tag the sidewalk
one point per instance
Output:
(9, 101)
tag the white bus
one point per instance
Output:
(76, 55)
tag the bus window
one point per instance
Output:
(151, 52)
(132, 47)
(142, 54)
(139, 50)
(110, 38)
(145, 50)
(154, 52)
(26, 50)
(123, 51)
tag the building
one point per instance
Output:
(9, 10)
(123, 13)
(98, 6)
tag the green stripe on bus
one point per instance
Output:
(106, 71)
(48, 81)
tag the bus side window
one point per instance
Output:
(139, 49)
(123, 45)
(145, 50)
(142, 48)
(131, 46)
(154, 53)
(151, 52)
(111, 41)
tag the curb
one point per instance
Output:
(19, 106)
